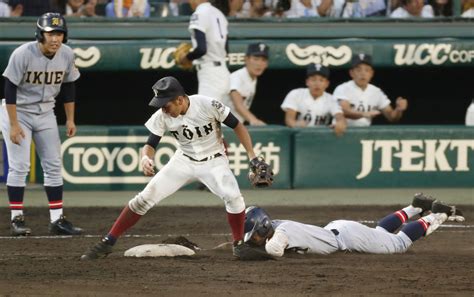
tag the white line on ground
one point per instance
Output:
(447, 226)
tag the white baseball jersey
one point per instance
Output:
(38, 78)
(426, 12)
(372, 98)
(212, 22)
(315, 112)
(199, 137)
(298, 10)
(242, 82)
(340, 235)
(198, 132)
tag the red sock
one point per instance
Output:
(126, 220)
(236, 222)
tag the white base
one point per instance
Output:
(159, 250)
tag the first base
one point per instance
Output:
(159, 250)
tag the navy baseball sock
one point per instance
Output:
(236, 222)
(393, 221)
(55, 201)
(15, 197)
(415, 230)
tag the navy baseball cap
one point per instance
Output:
(361, 59)
(313, 69)
(166, 89)
(258, 49)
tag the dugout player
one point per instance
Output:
(313, 106)
(208, 28)
(243, 84)
(361, 101)
(37, 73)
(195, 122)
(280, 236)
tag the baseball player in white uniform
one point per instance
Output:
(313, 106)
(37, 73)
(243, 84)
(208, 28)
(362, 101)
(279, 236)
(195, 122)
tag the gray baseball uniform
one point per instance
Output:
(38, 80)
(340, 235)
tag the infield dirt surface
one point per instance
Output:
(441, 264)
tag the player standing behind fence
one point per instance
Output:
(313, 106)
(37, 73)
(243, 84)
(362, 101)
(208, 27)
(195, 122)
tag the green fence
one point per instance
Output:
(102, 158)
(417, 156)
(114, 45)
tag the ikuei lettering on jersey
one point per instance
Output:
(428, 155)
(44, 77)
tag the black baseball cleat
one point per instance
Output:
(441, 207)
(422, 201)
(237, 247)
(63, 227)
(18, 228)
(98, 251)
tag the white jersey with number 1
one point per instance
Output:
(212, 72)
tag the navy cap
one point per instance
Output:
(313, 69)
(166, 89)
(361, 59)
(258, 49)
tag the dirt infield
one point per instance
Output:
(441, 264)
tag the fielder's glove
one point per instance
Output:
(260, 173)
(245, 252)
(181, 51)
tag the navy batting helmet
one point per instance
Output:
(256, 221)
(50, 22)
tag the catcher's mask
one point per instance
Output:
(50, 22)
(256, 221)
(166, 89)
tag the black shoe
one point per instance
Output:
(63, 227)
(98, 251)
(423, 202)
(441, 207)
(18, 228)
(237, 247)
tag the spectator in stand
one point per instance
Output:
(77, 8)
(362, 8)
(413, 8)
(235, 7)
(308, 8)
(254, 9)
(442, 8)
(4, 10)
(29, 7)
(468, 9)
(127, 8)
